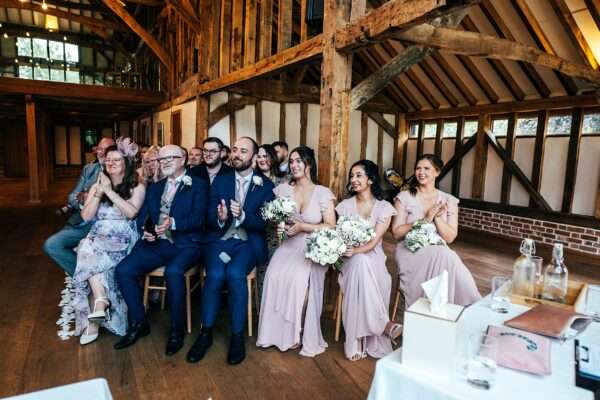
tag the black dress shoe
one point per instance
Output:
(200, 346)
(175, 342)
(237, 349)
(134, 333)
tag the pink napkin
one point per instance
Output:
(522, 350)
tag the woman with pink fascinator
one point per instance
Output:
(113, 203)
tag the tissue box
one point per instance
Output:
(429, 339)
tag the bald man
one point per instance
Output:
(59, 246)
(171, 222)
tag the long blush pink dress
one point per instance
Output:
(291, 279)
(366, 285)
(429, 262)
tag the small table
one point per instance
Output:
(93, 389)
(394, 380)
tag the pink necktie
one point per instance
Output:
(171, 189)
(241, 191)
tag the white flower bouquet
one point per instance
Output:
(421, 235)
(278, 211)
(354, 230)
(325, 246)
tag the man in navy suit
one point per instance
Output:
(235, 245)
(172, 217)
(212, 149)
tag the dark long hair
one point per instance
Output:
(372, 172)
(437, 163)
(273, 160)
(130, 179)
(307, 155)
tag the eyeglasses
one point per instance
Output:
(167, 159)
(113, 160)
(211, 152)
(150, 161)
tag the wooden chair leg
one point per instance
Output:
(188, 303)
(146, 284)
(335, 305)
(338, 315)
(249, 307)
(256, 298)
(163, 296)
(396, 302)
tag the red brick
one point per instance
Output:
(577, 229)
(588, 249)
(589, 237)
(550, 224)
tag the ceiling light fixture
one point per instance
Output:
(27, 34)
(44, 5)
(6, 36)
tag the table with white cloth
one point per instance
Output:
(93, 389)
(393, 380)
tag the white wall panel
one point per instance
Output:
(553, 170)
(354, 137)
(292, 125)
(373, 132)
(588, 176)
(493, 177)
(411, 156)
(312, 127)
(523, 157)
(270, 122)
(466, 174)
(245, 124)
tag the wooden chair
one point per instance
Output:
(252, 285)
(160, 273)
(397, 301)
(337, 313)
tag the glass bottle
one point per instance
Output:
(523, 282)
(556, 277)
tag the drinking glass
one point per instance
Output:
(482, 351)
(592, 302)
(539, 274)
(500, 294)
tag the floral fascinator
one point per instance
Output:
(126, 147)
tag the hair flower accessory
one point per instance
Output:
(257, 180)
(126, 147)
(186, 180)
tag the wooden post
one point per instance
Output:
(282, 122)
(399, 141)
(438, 137)
(538, 153)
(250, 36)
(225, 40)
(481, 149)
(284, 25)
(202, 107)
(336, 75)
(457, 145)
(32, 151)
(258, 121)
(237, 34)
(266, 29)
(364, 134)
(506, 175)
(420, 138)
(303, 123)
(572, 160)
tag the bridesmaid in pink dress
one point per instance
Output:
(424, 201)
(365, 280)
(292, 299)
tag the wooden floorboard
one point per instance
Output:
(32, 357)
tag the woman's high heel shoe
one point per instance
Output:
(86, 338)
(100, 315)
(394, 332)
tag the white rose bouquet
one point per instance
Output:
(354, 230)
(326, 247)
(421, 235)
(278, 211)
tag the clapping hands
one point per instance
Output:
(293, 226)
(437, 210)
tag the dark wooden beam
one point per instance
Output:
(506, 175)
(454, 78)
(399, 141)
(379, 119)
(202, 119)
(250, 35)
(266, 29)
(458, 145)
(303, 123)
(538, 152)
(234, 104)
(572, 160)
(225, 38)
(364, 134)
(284, 25)
(193, 22)
(420, 138)
(438, 137)
(480, 162)
(282, 123)
(258, 121)
(32, 151)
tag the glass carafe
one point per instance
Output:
(556, 277)
(523, 282)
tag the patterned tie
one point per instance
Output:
(241, 191)
(171, 189)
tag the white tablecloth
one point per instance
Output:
(393, 380)
(93, 389)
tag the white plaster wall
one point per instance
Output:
(428, 146)
(493, 177)
(245, 124)
(523, 157)
(373, 132)
(354, 134)
(312, 127)
(292, 125)
(188, 123)
(270, 122)
(553, 170)
(447, 153)
(466, 174)
(588, 176)
(411, 157)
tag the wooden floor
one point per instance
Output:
(32, 357)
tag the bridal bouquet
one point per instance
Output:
(278, 211)
(325, 246)
(421, 235)
(354, 231)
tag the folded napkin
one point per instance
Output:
(436, 291)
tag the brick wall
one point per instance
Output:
(580, 239)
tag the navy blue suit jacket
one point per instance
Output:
(223, 188)
(188, 209)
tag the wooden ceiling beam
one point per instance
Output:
(182, 12)
(503, 32)
(487, 46)
(568, 22)
(156, 47)
(454, 78)
(542, 41)
(551, 103)
(594, 9)
(73, 6)
(233, 105)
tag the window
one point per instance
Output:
(57, 50)
(57, 74)
(450, 129)
(430, 131)
(470, 128)
(90, 139)
(413, 131)
(71, 53)
(559, 125)
(526, 126)
(73, 76)
(40, 48)
(25, 71)
(24, 47)
(591, 123)
(41, 73)
(500, 127)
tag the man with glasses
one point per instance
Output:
(235, 244)
(213, 165)
(60, 245)
(172, 218)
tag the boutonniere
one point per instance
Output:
(186, 180)
(256, 181)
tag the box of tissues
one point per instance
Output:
(430, 330)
